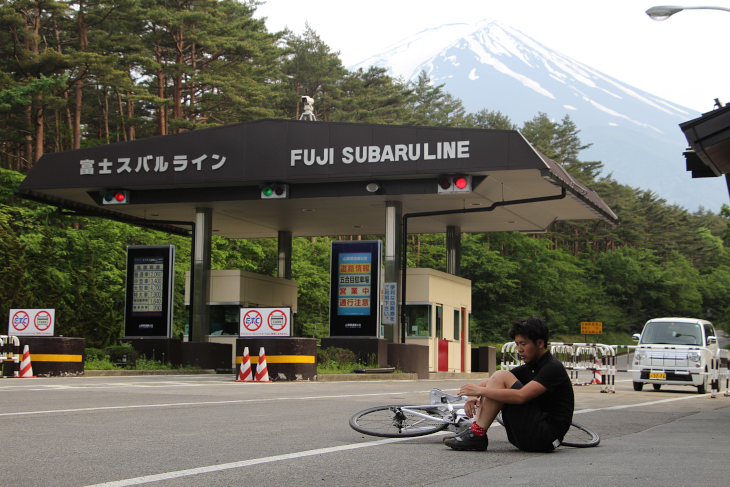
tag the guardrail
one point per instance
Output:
(7, 356)
(596, 358)
(599, 358)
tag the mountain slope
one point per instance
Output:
(493, 66)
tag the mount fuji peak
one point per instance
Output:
(489, 65)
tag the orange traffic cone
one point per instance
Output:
(26, 369)
(262, 372)
(597, 378)
(244, 373)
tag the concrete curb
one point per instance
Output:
(119, 373)
(320, 377)
(364, 377)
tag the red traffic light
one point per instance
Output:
(454, 184)
(115, 197)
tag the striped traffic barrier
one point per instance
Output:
(7, 356)
(244, 373)
(575, 357)
(26, 368)
(262, 371)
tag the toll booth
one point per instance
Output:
(438, 312)
(231, 290)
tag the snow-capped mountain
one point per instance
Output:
(493, 66)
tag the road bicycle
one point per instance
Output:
(444, 411)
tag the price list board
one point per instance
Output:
(149, 275)
(150, 282)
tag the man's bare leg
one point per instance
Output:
(482, 409)
(489, 408)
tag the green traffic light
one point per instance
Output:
(267, 191)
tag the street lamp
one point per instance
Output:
(665, 11)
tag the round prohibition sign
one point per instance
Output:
(20, 320)
(42, 321)
(277, 322)
(252, 320)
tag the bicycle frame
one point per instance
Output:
(452, 405)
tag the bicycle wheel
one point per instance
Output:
(393, 422)
(578, 436)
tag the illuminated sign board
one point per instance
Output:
(355, 288)
(150, 283)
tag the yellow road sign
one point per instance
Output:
(591, 328)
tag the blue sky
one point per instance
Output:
(683, 59)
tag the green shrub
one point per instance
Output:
(334, 354)
(92, 354)
(116, 354)
(334, 360)
(143, 363)
(99, 364)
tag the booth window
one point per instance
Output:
(418, 320)
(457, 323)
(439, 322)
(224, 319)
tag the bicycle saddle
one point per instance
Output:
(437, 396)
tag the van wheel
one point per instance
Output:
(657, 386)
(638, 386)
(702, 389)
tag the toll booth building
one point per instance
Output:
(438, 312)
(231, 290)
(286, 178)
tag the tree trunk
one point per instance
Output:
(162, 110)
(121, 115)
(78, 85)
(38, 121)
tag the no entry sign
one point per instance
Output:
(31, 322)
(265, 322)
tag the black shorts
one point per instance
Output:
(527, 426)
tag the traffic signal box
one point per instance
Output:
(274, 191)
(454, 184)
(115, 197)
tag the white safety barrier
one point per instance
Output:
(600, 358)
(720, 370)
(595, 358)
(6, 355)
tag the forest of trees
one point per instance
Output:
(76, 73)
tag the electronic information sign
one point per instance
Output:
(150, 284)
(355, 288)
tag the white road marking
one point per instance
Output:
(290, 456)
(205, 403)
(245, 463)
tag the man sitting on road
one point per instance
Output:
(536, 399)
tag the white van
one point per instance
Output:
(674, 351)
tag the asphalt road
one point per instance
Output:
(166, 431)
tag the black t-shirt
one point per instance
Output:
(558, 401)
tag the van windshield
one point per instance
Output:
(671, 333)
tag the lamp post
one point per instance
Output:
(665, 11)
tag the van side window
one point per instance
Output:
(709, 332)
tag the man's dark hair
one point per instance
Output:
(533, 328)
